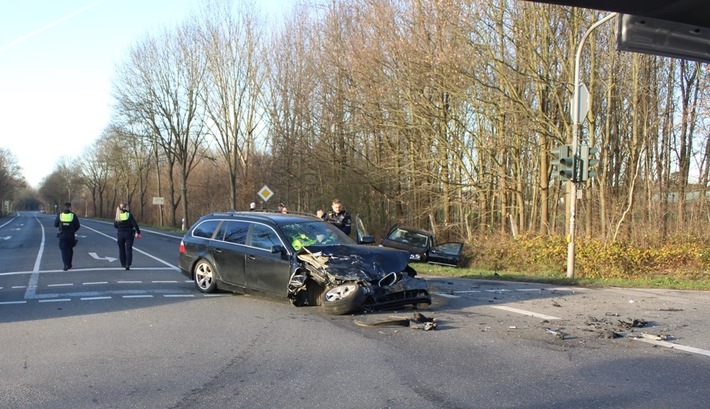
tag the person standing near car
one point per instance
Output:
(68, 223)
(337, 216)
(128, 229)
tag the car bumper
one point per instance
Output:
(407, 291)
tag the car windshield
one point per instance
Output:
(409, 237)
(314, 233)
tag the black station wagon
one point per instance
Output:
(299, 257)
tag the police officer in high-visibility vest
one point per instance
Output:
(67, 223)
(127, 230)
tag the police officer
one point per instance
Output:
(67, 222)
(127, 230)
(338, 216)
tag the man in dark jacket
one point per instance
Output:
(338, 216)
(127, 230)
(67, 222)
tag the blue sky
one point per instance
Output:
(57, 61)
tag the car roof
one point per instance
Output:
(275, 216)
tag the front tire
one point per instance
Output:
(343, 299)
(204, 277)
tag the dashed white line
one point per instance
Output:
(60, 285)
(525, 312)
(139, 296)
(179, 295)
(447, 295)
(94, 298)
(675, 346)
(12, 302)
(57, 300)
(95, 283)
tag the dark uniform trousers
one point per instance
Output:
(125, 246)
(66, 246)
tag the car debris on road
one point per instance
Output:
(418, 321)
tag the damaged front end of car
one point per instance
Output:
(345, 279)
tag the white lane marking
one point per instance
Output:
(173, 267)
(165, 282)
(107, 258)
(60, 285)
(178, 295)
(675, 346)
(95, 298)
(129, 282)
(15, 287)
(95, 282)
(57, 300)
(467, 291)
(34, 278)
(12, 302)
(138, 296)
(525, 312)
(440, 295)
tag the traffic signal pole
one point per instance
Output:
(575, 147)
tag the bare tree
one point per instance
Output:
(230, 41)
(160, 86)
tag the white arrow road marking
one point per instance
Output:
(109, 259)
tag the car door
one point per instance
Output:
(361, 235)
(447, 254)
(229, 252)
(267, 264)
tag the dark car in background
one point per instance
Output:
(299, 257)
(422, 246)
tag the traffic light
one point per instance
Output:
(585, 152)
(565, 162)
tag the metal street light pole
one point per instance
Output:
(575, 146)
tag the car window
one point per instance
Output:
(206, 228)
(313, 233)
(264, 237)
(409, 237)
(234, 231)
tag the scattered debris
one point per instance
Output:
(558, 334)
(418, 321)
(555, 304)
(634, 323)
(610, 334)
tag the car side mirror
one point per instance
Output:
(366, 240)
(278, 249)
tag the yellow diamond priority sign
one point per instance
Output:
(265, 193)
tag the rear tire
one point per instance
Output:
(343, 299)
(203, 274)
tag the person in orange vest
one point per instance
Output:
(68, 223)
(128, 229)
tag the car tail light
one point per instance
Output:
(182, 247)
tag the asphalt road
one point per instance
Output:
(98, 336)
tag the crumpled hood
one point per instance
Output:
(357, 262)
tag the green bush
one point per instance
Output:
(594, 259)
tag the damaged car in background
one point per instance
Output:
(421, 245)
(298, 257)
